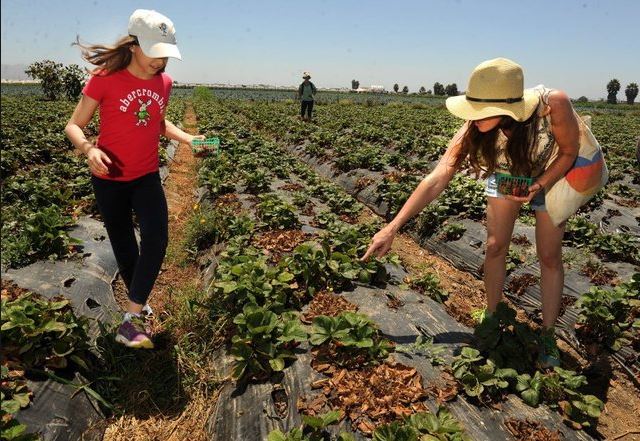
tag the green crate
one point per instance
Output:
(206, 147)
(513, 185)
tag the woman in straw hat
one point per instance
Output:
(509, 129)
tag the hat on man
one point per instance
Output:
(155, 33)
(306, 75)
(496, 87)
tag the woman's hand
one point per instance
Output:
(380, 243)
(98, 161)
(533, 190)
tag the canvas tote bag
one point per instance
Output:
(585, 178)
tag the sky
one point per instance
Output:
(575, 46)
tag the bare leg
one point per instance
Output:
(549, 248)
(134, 308)
(501, 215)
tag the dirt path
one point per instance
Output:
(179, 190)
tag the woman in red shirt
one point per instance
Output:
(131, 90)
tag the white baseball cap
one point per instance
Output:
(155, 33)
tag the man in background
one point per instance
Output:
(306, 93)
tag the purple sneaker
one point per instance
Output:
(133, 335)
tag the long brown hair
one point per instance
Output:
(108, 59)
(480, 148)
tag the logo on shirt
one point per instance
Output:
(142, 113)
(142, 99)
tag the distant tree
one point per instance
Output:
(451, 90)
(631, 92)
(49, 74)
(429, 92)
(422, 90)
(438, 89)
(72, 81)
(396, 88)
(612, 88)
(405, 89)
(582, 99)
(355, 84)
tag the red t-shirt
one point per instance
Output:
(131, 119)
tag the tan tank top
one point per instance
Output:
(546, 146)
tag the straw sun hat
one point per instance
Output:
(495, 88)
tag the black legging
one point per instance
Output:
(117, 201)
(306, 106)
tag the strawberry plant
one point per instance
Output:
(219, 176)
(513, 260)
(301, 199)
(316, 266)
(313, 429)
(429, 284)
(463, 196)
(246, 277)
(15, 395)
(579, 232)
(276, 213)
(206, 226)
(559, 389)
(39, 332)
(395, 190)
(453, 231)
(430, 219)
(264, 341)
(256, 181)
(617, 246)
(351, 333)
(424, 347)
(505, 340)
(479, 377)
(610, 317)
(423, 426)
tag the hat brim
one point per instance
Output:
(160, 50)
(473, 110)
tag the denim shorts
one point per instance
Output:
(491, 190)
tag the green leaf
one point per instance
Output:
(531, 397)
(13, 430)
(10, 406)
(285, 277)
(277, 364)
(425, 422)
(331, 417)
(58, 305)
(313, 421)
(522, 382)
(276, 435)
(227, 287)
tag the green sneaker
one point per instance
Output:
(549, 354)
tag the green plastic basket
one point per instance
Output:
(513, 185)
(206, 147)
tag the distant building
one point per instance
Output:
(372, 89)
